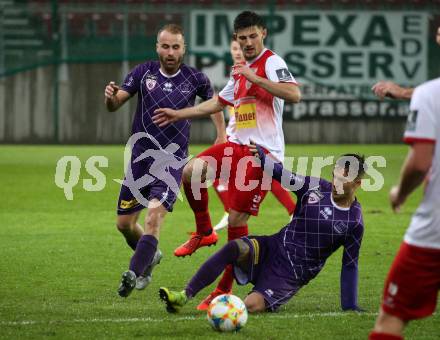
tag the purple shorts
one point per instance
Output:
(269, 271)
(135, 197)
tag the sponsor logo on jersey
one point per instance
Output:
(283, 74)
(326, 212)
(167, 87)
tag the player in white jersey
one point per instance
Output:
(412, 285)
(221, 187)
(257, 90)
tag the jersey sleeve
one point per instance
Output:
(422, 120)
(226, 96)
(352, 245)
(132, 82)
(349, 270)
(289, 180)
(204, 88)
(277, 71)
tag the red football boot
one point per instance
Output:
(206, 301)
(195, 242)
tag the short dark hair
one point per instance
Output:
(345, 161)
(172, 28)
(248, 19)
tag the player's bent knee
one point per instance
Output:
(237, 218)
(123, 223)
(255, 303)
(187, 171)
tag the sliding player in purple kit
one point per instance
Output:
(327, 216)
(158, 154)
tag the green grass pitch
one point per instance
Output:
(61, 261)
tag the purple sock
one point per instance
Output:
(212, 268)
(144, 253)
(132, 244)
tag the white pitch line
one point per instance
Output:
(184, 318)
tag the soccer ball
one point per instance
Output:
(227, 313)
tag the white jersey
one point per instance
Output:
(258, 114)
(231, 123)
(424, 126)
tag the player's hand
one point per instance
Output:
(111, 89)
(245, 71)
(389, 89)
(256, 150)
(164, 116)
(220, 139)
(395, 200)
(253, 148)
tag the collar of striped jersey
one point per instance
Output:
(256, 58)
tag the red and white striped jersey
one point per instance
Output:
(258, 114)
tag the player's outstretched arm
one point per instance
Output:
(164, 116)
(349, 288)
(349, 269)
(276, 169)
(114, 96)
(416, 167)
(389, 89)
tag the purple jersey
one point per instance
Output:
(157, 90)
(319, 227)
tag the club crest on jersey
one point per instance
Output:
(315, 196)
(151, 82)
(340, 227)
(185, 88)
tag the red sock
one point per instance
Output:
(222, 194)
(284, 197)
(237, 232)
(200, 209)
(225, 284)
(384, 336)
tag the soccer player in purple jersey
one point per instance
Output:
(327, 216)
(158, 154)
